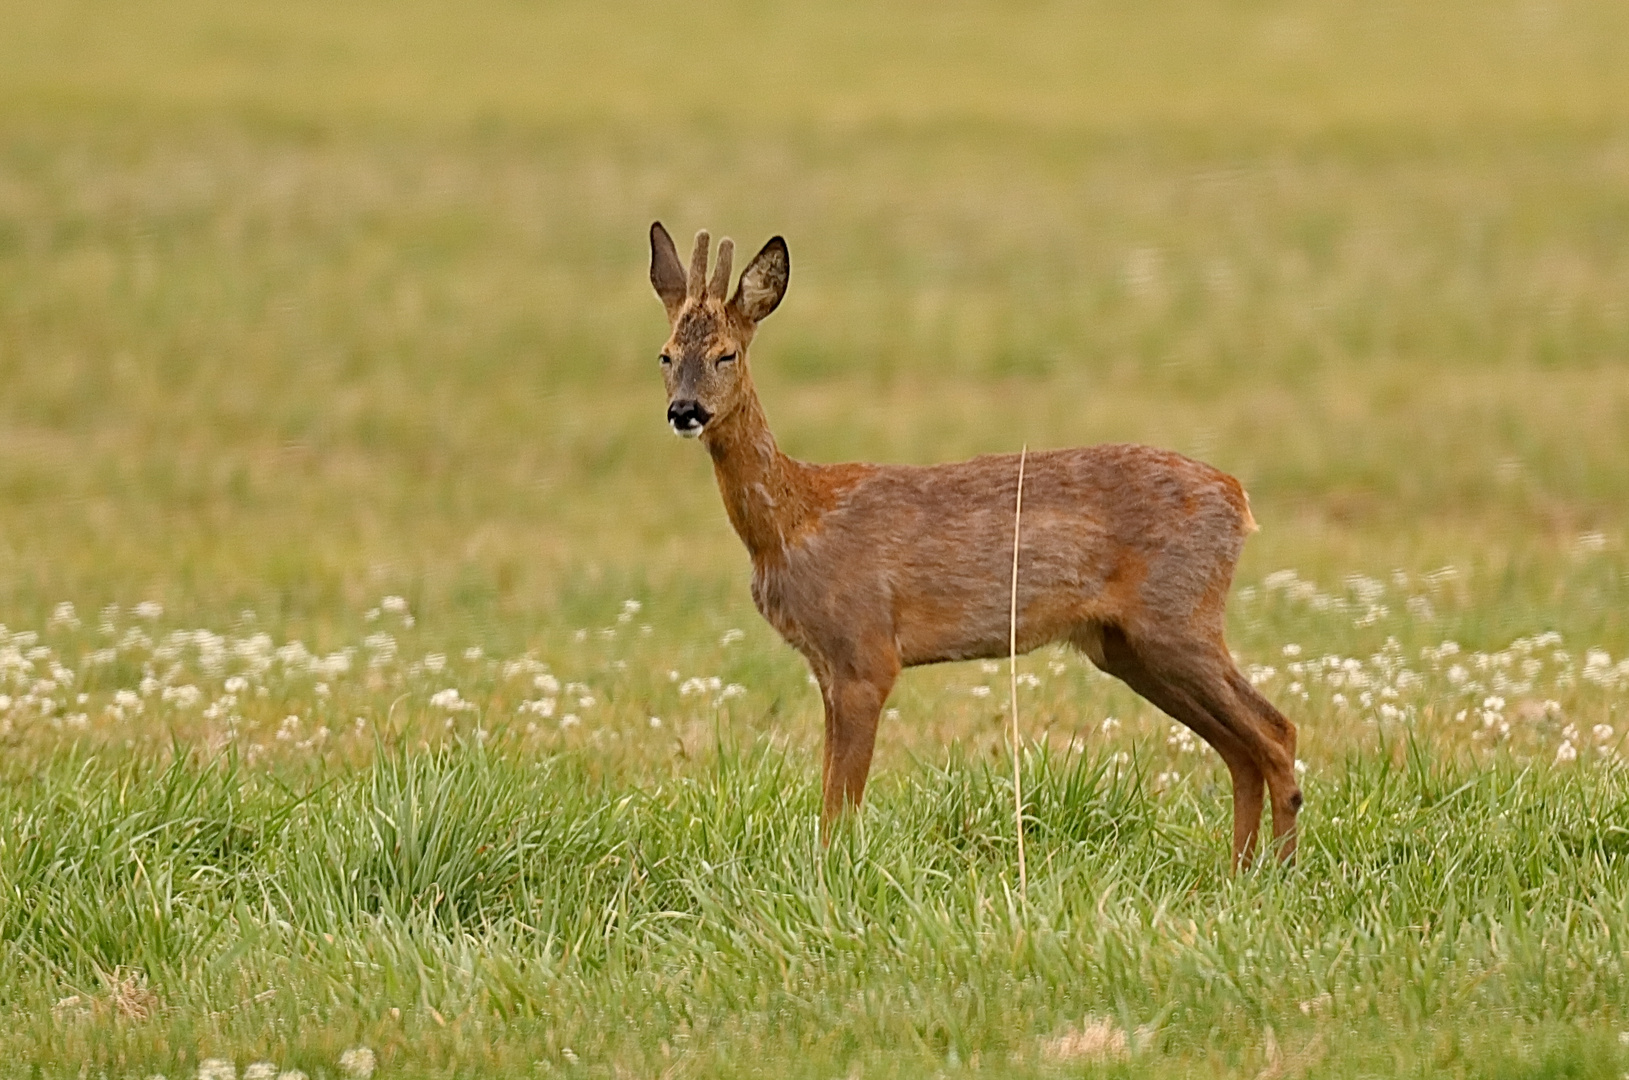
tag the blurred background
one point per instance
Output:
(379, 674)
(307, 303)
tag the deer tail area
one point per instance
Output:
(1250, 525)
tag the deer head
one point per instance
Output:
(704, 362)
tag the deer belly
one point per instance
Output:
(935, 626)
(932, 627)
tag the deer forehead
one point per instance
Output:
(704, 327)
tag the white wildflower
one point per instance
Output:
(1420, 607)
(395, 605)
(333, 665)
(1566, 752)
(150, 610)
(357, 1062)
(1591, 541)
(710, 684)
(1181, 739)
(216, 1068)
(449, 699)
(294, 655)
(260, 1070)
(183, 697)
(383, 648)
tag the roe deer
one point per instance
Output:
(1126, 552)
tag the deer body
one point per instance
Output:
(1125, 551)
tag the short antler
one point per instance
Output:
(720, 284)
(698, 266)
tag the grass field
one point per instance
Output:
(378, 674)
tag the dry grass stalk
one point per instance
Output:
(1097, 1039)
(127, 997)
(1012, 678)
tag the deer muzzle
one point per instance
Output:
(688, 418)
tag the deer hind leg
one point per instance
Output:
(1278, 730)
(1265, 732)
(1110, 650)
(853, 706)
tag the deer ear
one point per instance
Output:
(763, 282)
(666, 272)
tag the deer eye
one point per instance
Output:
(667, 361)
(727, 358)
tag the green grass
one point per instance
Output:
(475, 912)
(308, 306)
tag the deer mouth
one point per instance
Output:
(687, 418)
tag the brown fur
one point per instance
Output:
(1126, 552)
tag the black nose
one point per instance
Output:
(687, 416)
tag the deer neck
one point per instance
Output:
(768, 496)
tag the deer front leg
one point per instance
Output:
(853, 706)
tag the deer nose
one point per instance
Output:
(688, 417)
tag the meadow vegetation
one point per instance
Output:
(379, 685)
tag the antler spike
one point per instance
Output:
(698, 266)
(720, 283)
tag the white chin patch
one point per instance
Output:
(690, 432)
